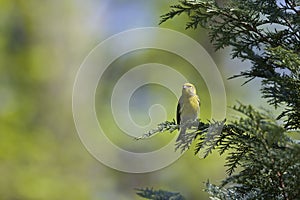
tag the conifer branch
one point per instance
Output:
(150, 193)
(263, 146)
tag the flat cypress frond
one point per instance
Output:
(150, 193)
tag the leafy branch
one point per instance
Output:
(274, 52)
(266, 33)
(162, 127)
(150, 193)
(250, 142)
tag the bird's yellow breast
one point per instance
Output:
(190, 108)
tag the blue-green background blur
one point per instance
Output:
(42, 44)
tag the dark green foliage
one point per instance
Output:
(165, 126)
(266, 33)
(257, 143)
(269, 159)
(195, 129)
(263, 32)
(284, 88)
(219, 193)
(149, 193)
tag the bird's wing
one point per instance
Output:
(178, 111)
(198, 99)
(199, 104)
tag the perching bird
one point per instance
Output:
(188, 107)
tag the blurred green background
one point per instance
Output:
(42, 44)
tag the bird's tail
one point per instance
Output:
(182, 135)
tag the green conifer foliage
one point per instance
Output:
(266, 33)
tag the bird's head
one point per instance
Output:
(188, 89)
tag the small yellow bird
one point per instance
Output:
(188, 107)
